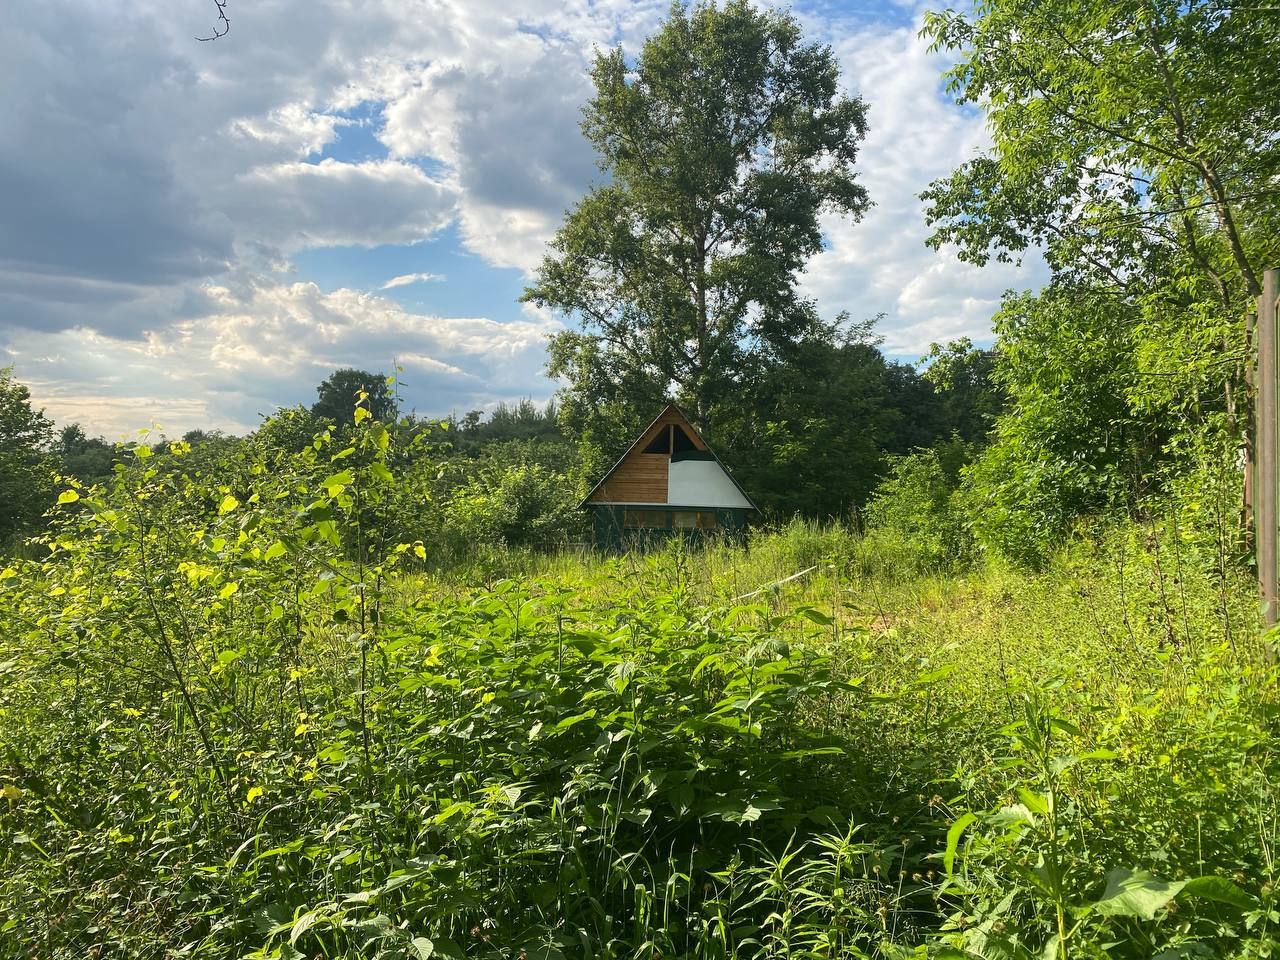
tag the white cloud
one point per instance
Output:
(297, 205)
(270, 344)
(407, 278)
(155, 189)
(882, 265)
(509, 132)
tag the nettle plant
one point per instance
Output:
(1038, 877)
(237, 725)
(161, 678)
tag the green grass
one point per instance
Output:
(241, 721)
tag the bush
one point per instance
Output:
(523, 505)
(916, 505)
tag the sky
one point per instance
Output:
(193, 234)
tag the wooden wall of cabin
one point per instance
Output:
(642, 477)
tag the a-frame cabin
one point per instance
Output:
(668, 481)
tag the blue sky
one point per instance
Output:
(197, 233)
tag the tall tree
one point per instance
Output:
(1124, 130)
(723, 142)
(1135, 145)
(338, 394)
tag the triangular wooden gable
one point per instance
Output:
(642, 477)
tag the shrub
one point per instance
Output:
(916, 505)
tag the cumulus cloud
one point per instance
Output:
(272, 343)
(510, 134)
(882, 265)
(157, 192)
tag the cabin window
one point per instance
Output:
(644, 519)
(693, 520)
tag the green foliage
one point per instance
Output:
(88, 459)
(522, 422)
(1134, 146)
(289, 430)
(521, 505)
(1030, 882)
(1128, 135)
(723, 140)
(917, 503)
(25, 466)
(826, 411)
(238, 720)
(250, 735)
(338, 393)
(1084, 432)
(964, 375)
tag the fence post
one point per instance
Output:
(1266, 486)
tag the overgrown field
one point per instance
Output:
(240, 718)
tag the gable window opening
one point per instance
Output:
(661, 443)
(672, 438)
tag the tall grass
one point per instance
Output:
(243, 720)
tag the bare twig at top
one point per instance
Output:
(223, 24)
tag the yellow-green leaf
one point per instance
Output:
(228, 590)
(253, 794)
(336, 483)
(277, 549)
(228, 504)
(68, 496)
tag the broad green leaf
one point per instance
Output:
(816, 616)
(336, 483)
(1135, 893)
(1037, 803)
(568, 722)
(228, 504)
(953, 841)
(277, 549)
(67, 496)
(303, 924)
(1220, 889)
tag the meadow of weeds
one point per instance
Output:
(241, 716)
